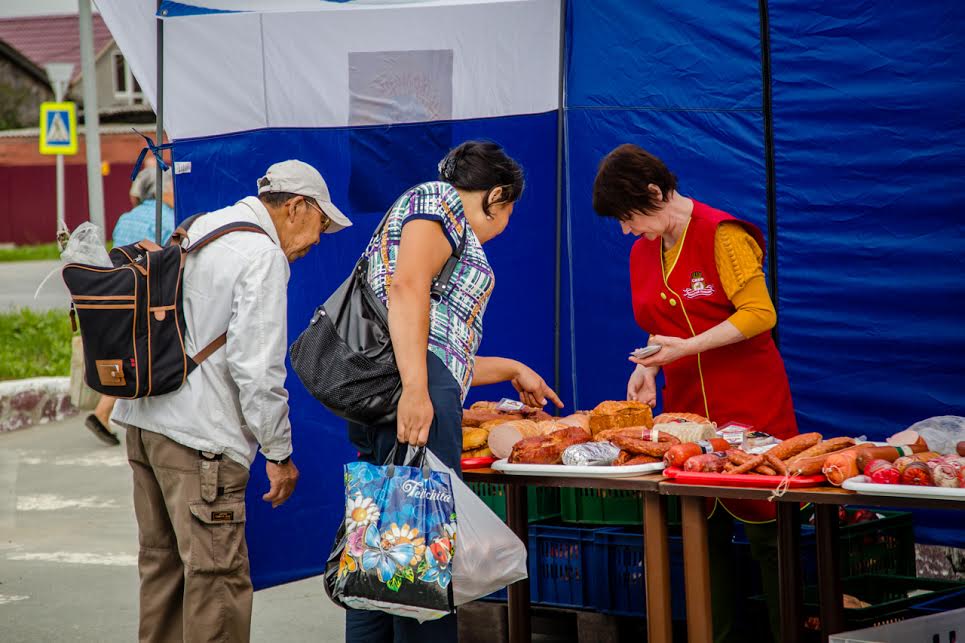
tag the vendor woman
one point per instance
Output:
(698, 289)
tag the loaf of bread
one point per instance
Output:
(616, 415)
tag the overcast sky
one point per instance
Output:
(11, 8)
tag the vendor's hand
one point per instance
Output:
(673, 348)
(281, 479)
(414, 416)
(642, 386)
(533, 390)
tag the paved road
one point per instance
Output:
(68, 549)
(19, 281)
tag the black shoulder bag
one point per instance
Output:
(344, 358)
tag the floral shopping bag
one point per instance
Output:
(396, 544)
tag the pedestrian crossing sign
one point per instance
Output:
(58, 128)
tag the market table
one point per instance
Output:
(656, 548)
(826, 501)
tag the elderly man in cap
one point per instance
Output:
(191, 449)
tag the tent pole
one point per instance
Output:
(560, 120)
(158, 173)
(769, 160)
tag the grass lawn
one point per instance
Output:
(30, 253)
(34, 344)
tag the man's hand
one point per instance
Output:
(533, 390)
(414, 416)
(282, 478)
(642, 386)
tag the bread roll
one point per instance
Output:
(474, 438)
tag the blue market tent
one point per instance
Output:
(839, 129)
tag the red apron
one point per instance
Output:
(744, 382)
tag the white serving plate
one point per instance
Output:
(861, 485)
(567, 471)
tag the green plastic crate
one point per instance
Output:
(883, 546)
(609, 507)
(542, 502)
(890, 597)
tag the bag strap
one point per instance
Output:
(235, 226)
(208, 350)
(440, 284)
(180, 235)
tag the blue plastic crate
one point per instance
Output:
(948, 602)
(561, 565)
(618, 583)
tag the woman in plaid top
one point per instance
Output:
(435, 340)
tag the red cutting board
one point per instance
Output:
(476, 463)
(741, 479)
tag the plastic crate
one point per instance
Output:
(543, 503)
(888, 596)
(883, 546)
(952, 601)
(618, 584)
(947, 627)
(601, 507)
(561, 565)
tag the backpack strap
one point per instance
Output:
(180, 235)
(235, 226)
(208, 350)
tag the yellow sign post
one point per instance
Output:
(58, 128)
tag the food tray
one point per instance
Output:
(741, 479)
(476, 463)
(567, 471)
(862, 485)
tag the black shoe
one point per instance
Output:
(102, 433)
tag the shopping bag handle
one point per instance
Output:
(418, 460)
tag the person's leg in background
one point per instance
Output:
(763, 541)
(98, 422)
(720, 534)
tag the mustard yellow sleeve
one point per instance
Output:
(738, 259)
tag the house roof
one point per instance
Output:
(48, 39)
(28, 66)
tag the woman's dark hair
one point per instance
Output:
(622, 182)
(485, 166)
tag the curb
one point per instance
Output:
(39, 400)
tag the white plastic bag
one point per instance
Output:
(941, 433)
(85, 246)
(488, 555)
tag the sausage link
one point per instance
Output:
(793, 446)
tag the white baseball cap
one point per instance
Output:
(298, 177)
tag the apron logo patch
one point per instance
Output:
(697, 287)
(222, 516)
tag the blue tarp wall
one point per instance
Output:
(868, 114)
(868, 176)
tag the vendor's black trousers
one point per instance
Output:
(374, 445)
(725, 577)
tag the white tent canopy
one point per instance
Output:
(304, 63)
